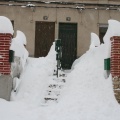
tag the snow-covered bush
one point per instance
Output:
(21, 54)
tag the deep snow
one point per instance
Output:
(87, 95)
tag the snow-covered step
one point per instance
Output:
(52, 96)
(53, 92)
(62, 75)
(56, 80)
(54, 89)
(62, 80)
(54, 86)
(50, 99)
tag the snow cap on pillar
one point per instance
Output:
(6, 34)
(6, 25)
(113, 30)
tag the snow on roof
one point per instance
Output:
(6, 25)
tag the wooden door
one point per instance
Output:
(68, 36)
(44, 37)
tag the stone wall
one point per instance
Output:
(115, 65)
(5, 86)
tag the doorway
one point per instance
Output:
(44, 37)
(68, 36)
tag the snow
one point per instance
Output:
(95, 41)
(6, 25)
(0, 57)
(37, 73)
(113, 30)
(21, 38)
(86, 95)
(30, 5)
(17, 45)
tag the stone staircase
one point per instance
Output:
(53, 91)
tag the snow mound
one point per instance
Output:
(17, 45)
(113, 30)
(21, 38)
(87, 94)
(6, 25)
(95, 41)
(35, 78)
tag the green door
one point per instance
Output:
(68, 36)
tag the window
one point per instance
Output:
(102, 31)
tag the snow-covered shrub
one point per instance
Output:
(21, 54)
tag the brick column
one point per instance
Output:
(115, 65)
(5, 67)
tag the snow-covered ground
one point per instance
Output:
(87, 94)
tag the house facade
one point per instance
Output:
(72, 21)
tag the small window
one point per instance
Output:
(102, 31)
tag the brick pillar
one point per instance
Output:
(115, 65)
(5, 67)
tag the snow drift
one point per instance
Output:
(18, 45)
(87, 94)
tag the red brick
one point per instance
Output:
(5, 51)
(5, 56)
(2, 43)
(5, 63)
(115, 67)
(6, 73)
(2, 40)
(115, 59)
(5, 66)
(1, 69)
(2, 53)
(4, 48)
(115, 73)
(115, 46)
(115, 55)
(116, 37)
